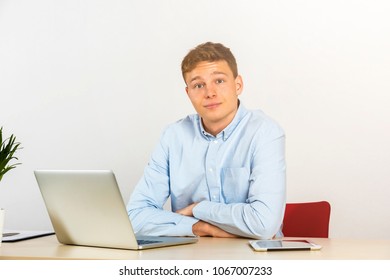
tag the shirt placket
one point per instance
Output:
(212, 170)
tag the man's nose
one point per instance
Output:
(210, 91)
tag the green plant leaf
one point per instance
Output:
(8, 147)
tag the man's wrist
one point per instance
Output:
(201, 228)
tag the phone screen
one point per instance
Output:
(284, 245)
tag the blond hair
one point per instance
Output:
(208, 52)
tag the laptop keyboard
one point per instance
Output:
(10, 234)
(145, 242)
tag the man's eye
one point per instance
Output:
(220, 81)
(198, 85)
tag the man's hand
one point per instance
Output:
(202, 228)
(187, 211)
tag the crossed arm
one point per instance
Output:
(202, 228)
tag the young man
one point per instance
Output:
(224, 167)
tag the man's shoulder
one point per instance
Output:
(189, 120)
(263, 121)
(260, 115)
(186, 125)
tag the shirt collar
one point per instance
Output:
(225, 134)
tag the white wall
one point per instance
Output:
(90, 85)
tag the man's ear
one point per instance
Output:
(239, 85)
(187, 90)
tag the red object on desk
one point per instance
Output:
(307, 219)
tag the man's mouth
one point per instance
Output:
(212, 105)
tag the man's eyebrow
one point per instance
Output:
(195, 78)
(219, 72)
(214, 73)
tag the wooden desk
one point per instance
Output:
(207, 248)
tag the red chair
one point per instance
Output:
(308, 219)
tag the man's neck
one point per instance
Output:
(214, 128)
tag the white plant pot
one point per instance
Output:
(2, 214)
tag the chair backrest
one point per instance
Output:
(307, 219)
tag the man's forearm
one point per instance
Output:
(202, 228)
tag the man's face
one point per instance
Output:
(214, 91)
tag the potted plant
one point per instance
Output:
(8, 147)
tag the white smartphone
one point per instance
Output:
(282, 245)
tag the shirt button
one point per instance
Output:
(216, 141)
(210, 169)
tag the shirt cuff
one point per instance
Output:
(201, 210)
(184, 227)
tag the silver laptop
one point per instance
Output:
(86, 208)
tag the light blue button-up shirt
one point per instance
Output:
(238, 178)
